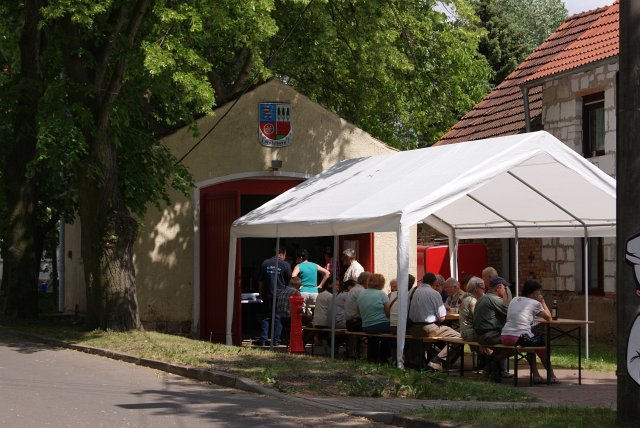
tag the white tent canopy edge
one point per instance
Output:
(526, 185)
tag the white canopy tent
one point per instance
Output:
(526, 185)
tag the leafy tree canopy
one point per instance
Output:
(401, 70)
(515, 28)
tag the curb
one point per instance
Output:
(237, 382)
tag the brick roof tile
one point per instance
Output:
(582, 39)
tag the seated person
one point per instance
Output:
(341, 299)
(373, 305)
(283, 306)
(489, 317)
(520, 318)
(322, 312)
(426, 312)
(351, 314)
(393, 302)
(475, 290)
(454, 295)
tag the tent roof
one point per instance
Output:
(479, 189)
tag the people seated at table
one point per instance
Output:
(393, 303)
(454, 295)
(322, 312)
(521, 314)
(426, 312)
(489, 317)
(351, 314)
(373, 305)
(308, 273)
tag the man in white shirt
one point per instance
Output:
(354, 268)
(426, 312)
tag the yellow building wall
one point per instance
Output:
(166, 258)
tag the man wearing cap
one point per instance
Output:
(426, 312)
(489, 317)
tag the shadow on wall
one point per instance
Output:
(164, 268)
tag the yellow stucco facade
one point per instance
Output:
(167, 258)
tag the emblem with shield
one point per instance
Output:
(275, 124)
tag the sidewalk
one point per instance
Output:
(597, 389)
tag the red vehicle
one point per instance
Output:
(472, 258)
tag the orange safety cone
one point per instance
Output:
(295, 338)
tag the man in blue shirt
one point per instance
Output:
(269, 289)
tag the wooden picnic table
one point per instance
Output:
(564, 327)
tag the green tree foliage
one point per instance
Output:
(515, 28)
(88, 88)
(401, 70)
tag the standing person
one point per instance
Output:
(328, 263)
(520, 318)
(426, 311)
(354, 269)
(266, 287)
(308, 273)
(489, 317)
(283, 306)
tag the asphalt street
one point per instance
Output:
(45, 386)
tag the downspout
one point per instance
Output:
(527, 115)
(60, 267)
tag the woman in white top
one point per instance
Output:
(520, 318)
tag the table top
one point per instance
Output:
(565, 321)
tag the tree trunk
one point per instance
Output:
(24, 237)
(109, 231)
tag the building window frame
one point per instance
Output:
(596, 267)
(593, 125)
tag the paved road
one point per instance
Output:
(43, 386)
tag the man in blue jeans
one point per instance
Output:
(266, 286)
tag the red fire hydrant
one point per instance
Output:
(295, 338)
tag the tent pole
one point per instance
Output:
(334, 270)
(231, 277)
(402, 236)
(274, 289)
(517, 260)
(453, 255)
(586, 258)
(586, 294)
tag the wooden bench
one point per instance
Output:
(519, 353)
(316, 330)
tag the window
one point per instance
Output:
(596, 267)
(593, 125)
